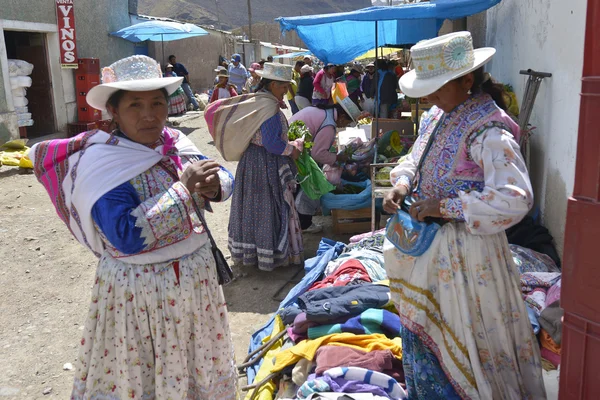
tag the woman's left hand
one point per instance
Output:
(425, 208)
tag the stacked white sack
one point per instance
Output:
(19, 72)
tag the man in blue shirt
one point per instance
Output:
(180, 70)
(238, 73)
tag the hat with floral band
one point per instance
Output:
(277, 72)
(440, 60)
(135, 73)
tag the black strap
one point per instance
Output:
(426, 151)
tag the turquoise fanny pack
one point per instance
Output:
(408, 235)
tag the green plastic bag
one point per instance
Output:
(312, 180)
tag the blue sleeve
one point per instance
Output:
(271, 135)
(112, 214)
(185, 71)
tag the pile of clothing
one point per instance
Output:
(336, 334)
(341, 335)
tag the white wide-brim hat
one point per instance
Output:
(277, 72)
(136, 74)
(440, 60)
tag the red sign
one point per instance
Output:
(65, 15)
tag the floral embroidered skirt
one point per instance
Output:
(463, 317)
(148, 336)
(264, 228)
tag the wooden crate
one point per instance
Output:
(355, 221)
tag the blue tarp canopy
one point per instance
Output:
(341, 37)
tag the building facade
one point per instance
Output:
(29, 31)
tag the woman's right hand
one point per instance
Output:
(295, 154)
(393, 199)
(202, 177)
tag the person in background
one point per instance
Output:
(177, 99)
(180, 70)
(368, 87)
(238, 73)
(353, 84)
(264, 229)
(254, 81)
(294, 85)
(262, 63)
(223, 89)
(217, 70)
(322, 121)
(388, 89)
(270, 59)
(399, 69)
(323, 83)
(305, 88)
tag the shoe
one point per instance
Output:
(197, 109)
(314, 228)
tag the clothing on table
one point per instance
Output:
(328, 357)
(238, 76)
(305, 87)
(264, 229)
(530, 235)
(308, 348)
(349, 273)
(553, 294)
(322, 84)
(367, 323)
(528, 260)
(373, 243)
(325, 383)
(302, 371)
(222, 93)
(460, 303)
(551, 321)
(372, 259)
(369, 377)
(534, 286)
(323, 305)
(157, 324)
(548, 343)
(368, 86)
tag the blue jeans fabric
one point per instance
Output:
(293, 106)
(190, 95)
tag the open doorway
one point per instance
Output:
(31, 47)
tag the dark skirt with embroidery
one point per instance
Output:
(263, 224)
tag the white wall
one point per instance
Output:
(548, 36)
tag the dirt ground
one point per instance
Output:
(46, 279)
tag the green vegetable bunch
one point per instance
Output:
(299, 130)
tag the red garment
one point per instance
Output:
(349, 272)
(399, 71)
(215, 94)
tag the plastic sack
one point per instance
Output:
(368, 105)
(22, 110)
(408, 235)
(20, 101)
(333, 174)
(25, 122)
(19, 92)
(331, 201)
(311, 178)
(20, 81)
(24, 116)
(19, 68)
(339, 91)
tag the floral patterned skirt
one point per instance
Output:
(150, 335)
(461, 306)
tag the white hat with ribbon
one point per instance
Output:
(276, 72)
(440, 60)
(135, 73)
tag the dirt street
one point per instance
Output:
(46, 278)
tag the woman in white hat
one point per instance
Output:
(157, 325)
(466, 331)
(264, 229)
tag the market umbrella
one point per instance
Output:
(383, 51)
(163, 31)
